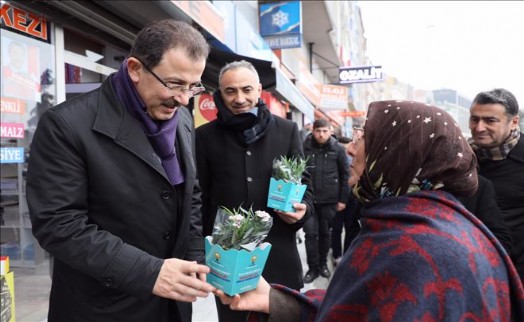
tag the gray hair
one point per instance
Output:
(499, 96)
(235, 65)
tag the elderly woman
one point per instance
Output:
(420, 256)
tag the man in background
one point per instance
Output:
(235, 156)
(499, 146)
(328, 165)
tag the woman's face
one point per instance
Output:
(359, 161)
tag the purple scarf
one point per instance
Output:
(161, 134)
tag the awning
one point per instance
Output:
(272, 79)
(286, 89)
(219, 58)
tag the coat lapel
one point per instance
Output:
(117, 123)
(184, 140)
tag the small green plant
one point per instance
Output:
(240, 228)
(289, 169)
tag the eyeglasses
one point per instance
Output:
(358, 134)
(180, 89)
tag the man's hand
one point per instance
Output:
(341, 206)
(181, 280)
(255, 300)
(293, 217)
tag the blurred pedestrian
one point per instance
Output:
(305, 131)
(499, 146)
(112, 189)
(235, 156)
(420, 255)
(329, 168)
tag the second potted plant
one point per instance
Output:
(285, 186)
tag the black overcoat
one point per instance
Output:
(233, 174)
(101, 204)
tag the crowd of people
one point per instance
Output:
(122, 190)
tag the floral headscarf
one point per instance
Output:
(413, 146)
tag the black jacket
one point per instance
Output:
(101, 204)
(233, 174)
(484, 206)
(328, 165)
(507, 177)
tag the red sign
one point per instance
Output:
(12, 105)
(207, 107)
(24, 21)
(353, 113)
(12, 130)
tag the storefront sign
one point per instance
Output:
(205, 14)
(11, 155)
(363, 74)
(24, 21)
(353, 113)
(333, 97)
(12, 130)
(204, 109)
(280, 24)
(12, 105)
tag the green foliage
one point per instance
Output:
(289, 169)
(240, 228)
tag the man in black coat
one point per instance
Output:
(112, 189)
(499, 146)
(329, 168)
(235, 155)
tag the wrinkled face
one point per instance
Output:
(358, 165)
(240, 90)
(490, 125)
(176, 67)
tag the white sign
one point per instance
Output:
(363, 74)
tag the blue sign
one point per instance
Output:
(280, 23)
(11, 155)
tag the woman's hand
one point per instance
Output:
(255, 300)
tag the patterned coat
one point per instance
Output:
(419, 257)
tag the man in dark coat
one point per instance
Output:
(499, 146)
(329, 167)
(112, 189)
(235, 154)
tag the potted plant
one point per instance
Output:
(285, 186)
(235, 252)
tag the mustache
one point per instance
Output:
(173, 103)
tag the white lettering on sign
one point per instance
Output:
(12, 130)
(364, 74)
(11, 155)
(12, 105)
(281, 42)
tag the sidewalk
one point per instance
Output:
(32, 287)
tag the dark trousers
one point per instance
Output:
(346, 219)
(317, 231)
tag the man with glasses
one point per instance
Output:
(235, 156)
(112, 189)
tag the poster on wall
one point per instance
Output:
(28, 86)
(20, 70)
